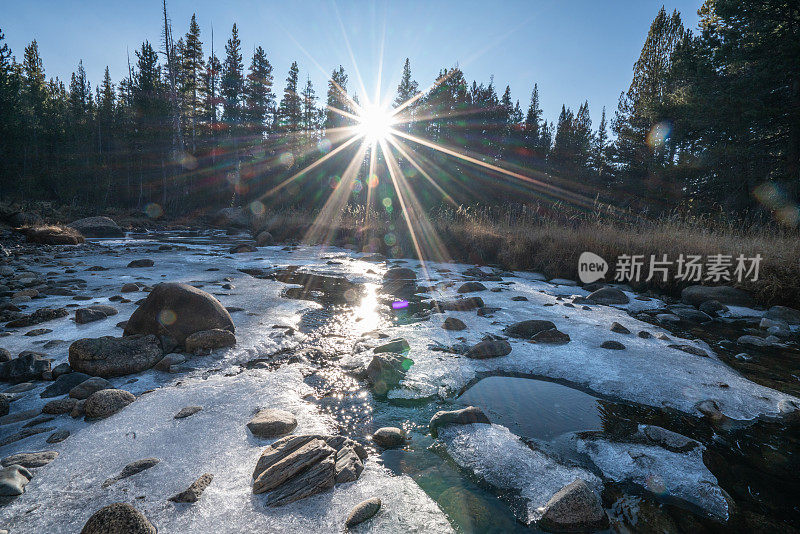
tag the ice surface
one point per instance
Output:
(497, 456)
(672, 475)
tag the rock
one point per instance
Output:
(13, 480)
(713, 308)
(465, 416)
(63, 384)
(165, 363)
(238, 249)
(53, 235)
(27, 366)
(454, 324)
(110, 356)
(38, 332)
(30, 460)
(668, 439)
(552, 336)
(92, 313)
(644, 334)
(269, 423)
(471, 287)
(400, 282)
(129, 288)
(209, 340)
(59, 406)
(465, 304)
(39, 316)
(231, 218)
(696, 295)
(5, 406)
(619, 329)
(489, 348)
(107, 402)
(24, 433)
(293, 463)
(320, 477)
(608, 295)
(85, 389)
(133, 468)
(574, 508)
(97, 227)
(264, 239)
(690, 315)
(398, 346)
(145, 262)
(178, 310)
(528, 329)
(348, 465)
(753, 341)
(363, 511)
(187, 411)
(386, 370)
(691, 349)
(5, 356)
(61, 368)
(118, 518)
(389, 437)
(783, 313)
(612, 345)
(58, 436)
(193, 492)
(77, 409)
(668, 318)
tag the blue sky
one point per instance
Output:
(575, 50)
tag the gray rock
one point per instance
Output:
(619, 329)
(454, 324)
(363, 511)
(13, 480)
(216, 338)
(231, 218)
(389, 437)
(93, 313)
(608, 295)
(118, 518)
(696, 295)
(137, 264)
(783, 313)
(129, 288)
(58, 436)
(16, 417)
(465, 304)
(667, 438)
(27, 366)
(107, 402)
(471, 287)
(59, 406)
(386, 370)
(241, 248)
(187, 411)
(320, 477)
(178, 310)
(753, 341)
(133, 468)
(41, 315)
(575, 507)
(89, 386)
(193, 492)
(691, 349)
(269, 423)
(293, 463)
(528, 329)
(465, 416)
(60, 369)
(165, 363)
(97, 227)
(400, 282)
(30, 460)
(77, 410)
(713, 308)
(109, 356)
(612, 345)
(551, 336)
(348, 465)
(24, 433)
(398, 346)
(690, 315)
(489, 348)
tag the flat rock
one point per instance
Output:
(107, 402)
(270, 423)
(612, 345)
(187, 411)
(528, 329)
(133, 468)
(58, 436)
(110, 356)
(293, 463)
(30, 460)
(137, 264)
(363, 511)
(398, 346)
(118, 518)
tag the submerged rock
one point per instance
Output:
(110, 356)
(465, 416)
(178, 310)
(118, 518)
(574, 508)
(193, 492)
(386, 370)
(389, 437)
(363, 511)
(696, 295)
(97, 227)
(270, 423)
(489, 348)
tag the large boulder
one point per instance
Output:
(112, 356)
(97, 227)
(783, 313)
(107, 402)
(27, 366)
(53, 235)
(178, 311)
(465, 416)
(696, 295)
(118, 518)
(608, 295)
(574, 508)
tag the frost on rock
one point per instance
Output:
(500, 458)
(64, 493)
(648, 371)
(680, 476)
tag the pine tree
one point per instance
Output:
(600, 148)
(10, 112)
(192, 69)
(211, 91)
(290, 111)
(336, 98)
(407, 89)
(532, 123)
(260, 100)
(232, 82)
(310, 112)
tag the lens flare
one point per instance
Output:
(375, 123)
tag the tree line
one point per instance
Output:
(711, 119)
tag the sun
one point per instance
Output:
(375, 123)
